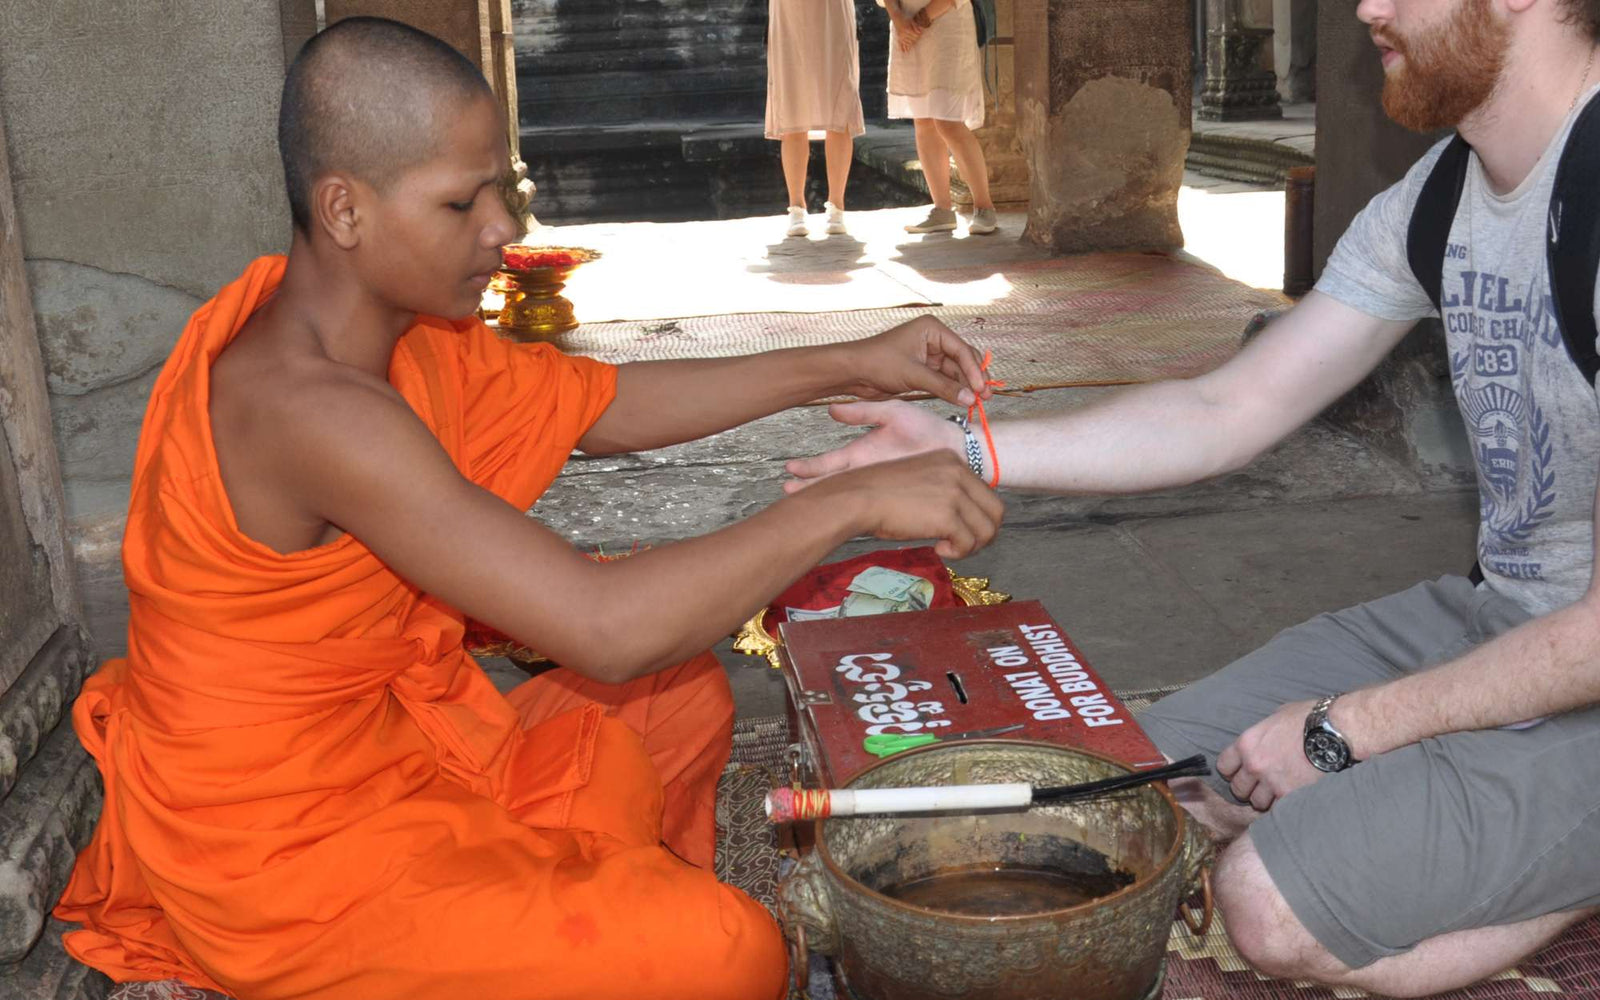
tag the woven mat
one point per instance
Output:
(1100, 319)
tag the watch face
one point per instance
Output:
(1326, 751)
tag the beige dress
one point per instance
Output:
(942, 76)
(813, 68)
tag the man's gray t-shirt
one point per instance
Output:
(1533, 422)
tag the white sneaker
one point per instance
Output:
(797, 221)
(835, 218)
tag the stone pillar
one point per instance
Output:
(1103, 93)
(1240, 82)
(480, 29)
(1294, 49)
(297, 20)
(49, 788)
(1002, 146)
(1406, 406)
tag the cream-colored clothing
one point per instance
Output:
(942, 76)
(813, 68)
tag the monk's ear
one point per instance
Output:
(333, 209)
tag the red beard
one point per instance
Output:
(1448, 71)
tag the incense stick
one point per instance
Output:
(788, 805)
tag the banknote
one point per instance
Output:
(859, 605)
(893, 586)
(806, 615)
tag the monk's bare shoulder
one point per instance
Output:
(298, 436)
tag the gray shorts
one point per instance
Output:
(1467, 830)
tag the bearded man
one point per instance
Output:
(1410, 786)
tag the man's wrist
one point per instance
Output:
(1351, 716)
(833, 502)
(835, 372)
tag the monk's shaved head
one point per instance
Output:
(368, 96)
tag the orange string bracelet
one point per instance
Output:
(983, 418)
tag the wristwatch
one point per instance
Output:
(1326, 748)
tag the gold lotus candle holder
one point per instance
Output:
(531, 279)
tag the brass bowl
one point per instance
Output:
(534, 308)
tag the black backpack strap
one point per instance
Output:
(1431, 218)
(1572, 248)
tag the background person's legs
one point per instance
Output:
(796, 151)
(934, 153)
(963, 145)
(839, 148)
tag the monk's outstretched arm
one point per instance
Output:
(666, 402)
(361, 460)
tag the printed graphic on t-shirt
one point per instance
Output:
(1510, 432)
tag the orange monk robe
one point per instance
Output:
(313, 792)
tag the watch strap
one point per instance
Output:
(974, 449)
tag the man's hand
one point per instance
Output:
(925, 496)
(1268, 760)
(900, 431)
(922, 355)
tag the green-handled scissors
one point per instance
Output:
(889, 744)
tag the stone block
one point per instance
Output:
(166, 168)
(97, 434)
(37, 702)
(27, 614)
(49, 973)
(44, 822)
(97, 559)
(98, 329)
(1103, 104)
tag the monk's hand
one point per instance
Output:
(929, 496)
(922, 355)
(1268, 760)
(899, 430)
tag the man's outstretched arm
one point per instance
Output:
(660, 403)
(1159, 435)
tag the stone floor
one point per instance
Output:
(1260, 152)
(1297, 129)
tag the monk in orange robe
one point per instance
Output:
(311, 790)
